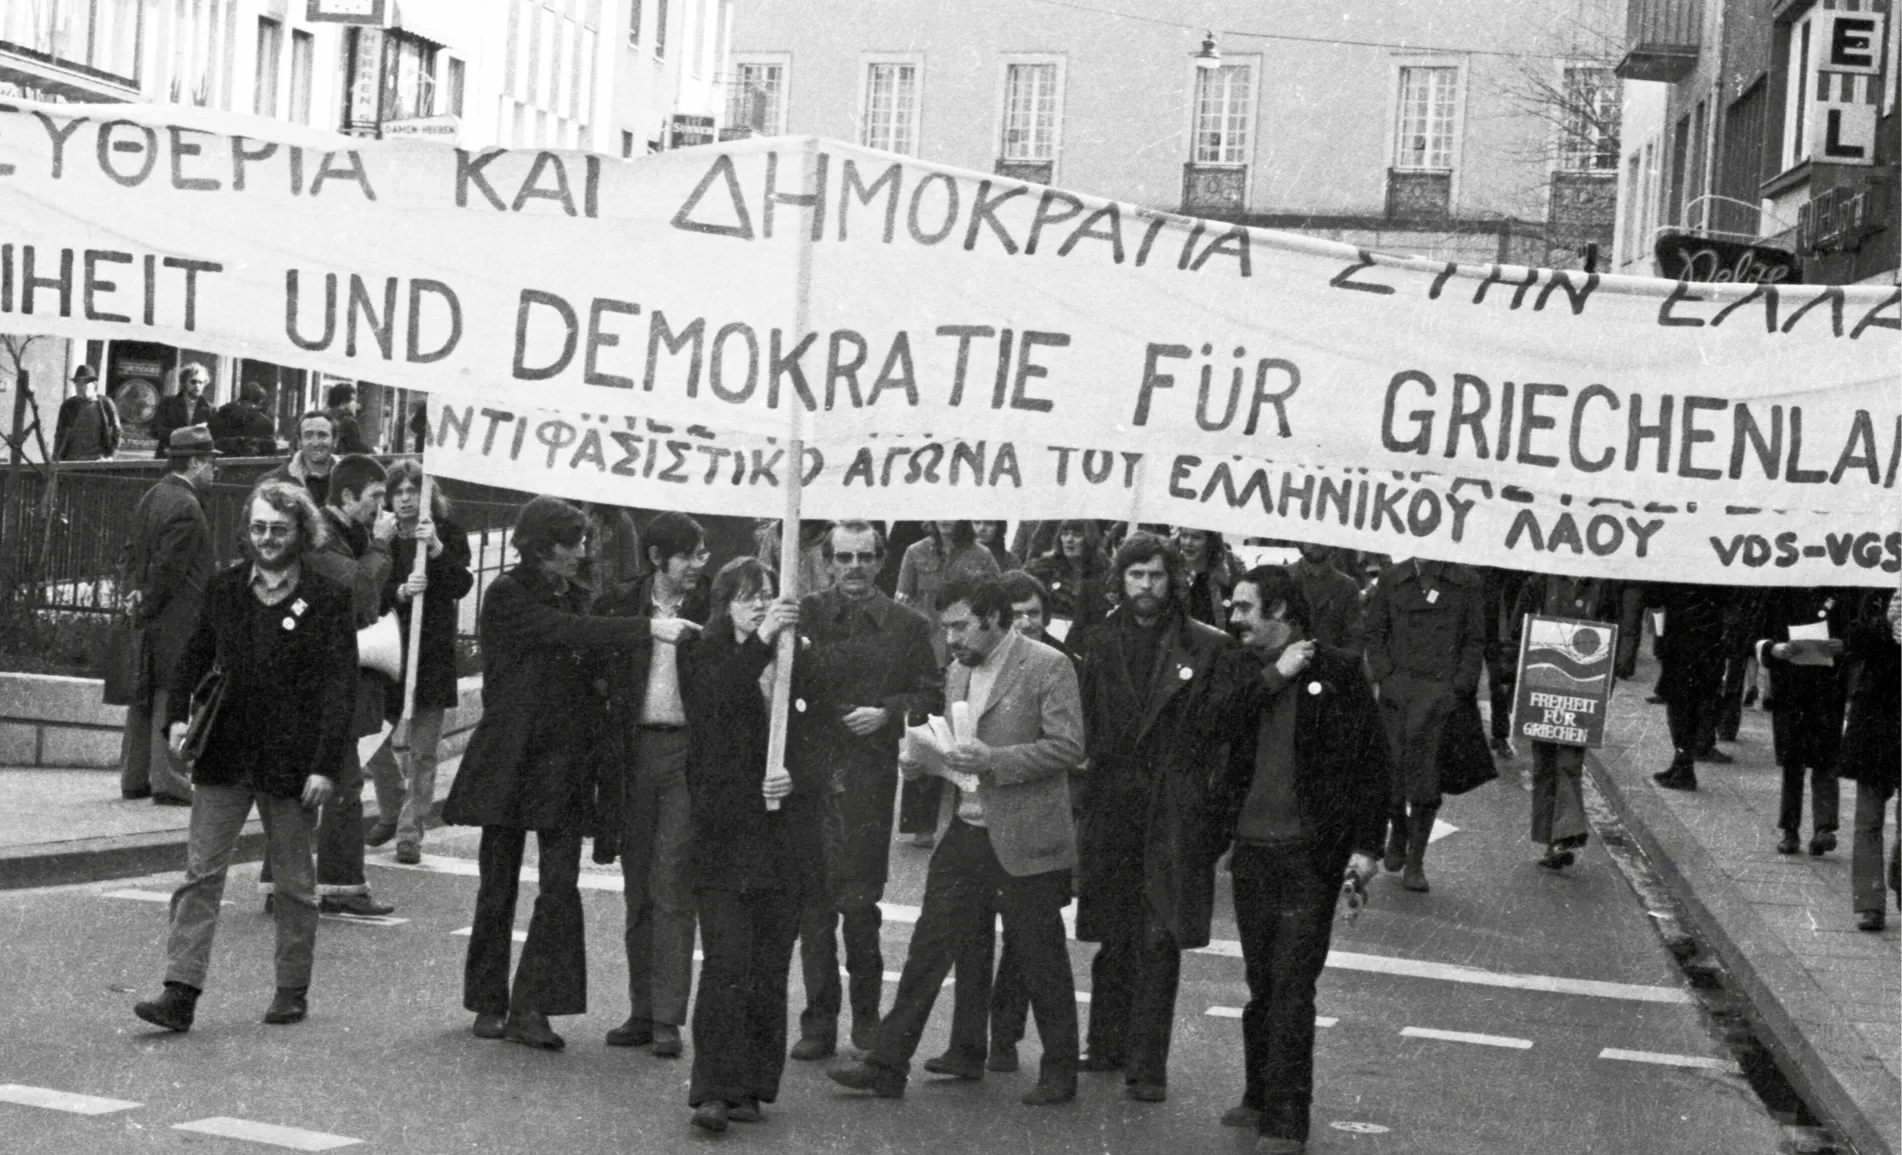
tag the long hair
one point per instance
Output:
(409, 471)
(545, 522)
(963, 536)
(739, 578)
(287, 497)
(1094, 561)
(1140, 547)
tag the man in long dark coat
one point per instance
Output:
(1146, 839)
(1691, 681)
(868, 662)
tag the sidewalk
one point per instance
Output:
(1825, 998)
(61, 826)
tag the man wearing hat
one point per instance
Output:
(164, 570)
(87, 428)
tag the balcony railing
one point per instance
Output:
(1034, 171)
(1214, 189)
(1662, 39)
(1414, 194)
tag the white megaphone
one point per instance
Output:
(380, 646)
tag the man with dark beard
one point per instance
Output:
(285, 641)
(1146, 876)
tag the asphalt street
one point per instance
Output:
(1509, 1010)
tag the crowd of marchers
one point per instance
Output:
(1129, 708)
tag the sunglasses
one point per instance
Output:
(847, 557)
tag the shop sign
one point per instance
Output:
(1683, 256)
(1841, 119)
(1838, 219)
(345, 12)
(688, 130)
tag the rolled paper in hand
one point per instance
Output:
(961, 722)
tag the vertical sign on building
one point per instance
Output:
(1564, 685)
(1848, 86)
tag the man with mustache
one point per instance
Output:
(864, 663)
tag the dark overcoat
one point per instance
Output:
(1426, 648)
(873, 652)
(353, 559)
(1691, 653)
(1336, 621)
(738, 844)
(1872, 737)
(169, 561)
(1147, 834)
(1341, 771)
(176, 412)
(291, 671)
(533, 760)
(1806, 702)
(449, 582)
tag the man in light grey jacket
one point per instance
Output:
(1006, 845)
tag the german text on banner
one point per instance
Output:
(725, 286)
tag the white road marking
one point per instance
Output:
(517, 935)
(469, 868)
(154, 896)
(294, 1138)
(1236, 1013)
(1667, 1060)
(364, 919)
(1223, 948)
(1466, 1037)
(62, 1100)
(1440, 830)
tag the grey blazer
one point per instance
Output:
(1033, 723)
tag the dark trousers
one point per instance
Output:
(1133, 982)
(918, 805)
(1284, 911)
(1865, 849)
(966, 890)
(739, 1018)
(1825, 797)
(1010, 999)
(1692, 720)
(657, 879)
(553, 975)
(819, 926)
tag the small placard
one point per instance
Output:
(1565, 679)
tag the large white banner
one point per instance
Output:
(767, 285)
(656, 464)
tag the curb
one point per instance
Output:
(1799, 1027)
(127, 855)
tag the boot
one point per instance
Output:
(173, 1009)
(863, 993)
(288, 1006)
(1420, 828)
(1681, 775)
(1396, 855)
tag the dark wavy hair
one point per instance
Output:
(985, 595)
(1275, 584)
(742, 577)
(286, 497)
(1142, 546)
(546, 522)
(963, 536)
(409, 471)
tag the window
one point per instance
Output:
(627, 144)
(264, 81)
(753, 99)
(1588, 138)
(303, 50)
(634, 21)
(409, 76)
(890, 118)
(660, 29)
(452, 87)
(1223, 97)
(1030, 112)
(1424, 139)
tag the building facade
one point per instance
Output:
(1760, 141)
(1444, 128)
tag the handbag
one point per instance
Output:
(207, 700)
(122, 666)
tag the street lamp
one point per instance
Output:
(1210, 58)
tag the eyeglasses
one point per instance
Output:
(270, 530)
(847, 557)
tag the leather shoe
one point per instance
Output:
(1823, 843)
(1003, 1058)
(711, 1116)
(169, 800)
(667, 1044)
(1279, 1145)
(1096, 1062)
(488, 1025)
(1714, 756)
(865, 1077)
(1870, 920)
(1242, 1115)
(1788, 844)
(1502, 748)
(1556, 859)
(531, 1029)
(636, 1032)
(954, 1066)
(812, 1047)
(408, 853)
(1676, 778)
(380, 832)
(1050, 1092)
(356, 905)
(1146, 1092)
(174, 1008)
(864, 1032)
(748, 1111)
(135, 795)
(288, 1006)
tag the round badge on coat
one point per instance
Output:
(290, 623)
(1185, 673)
(1314, 687)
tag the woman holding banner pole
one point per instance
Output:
(755, 833)
(429, 575)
